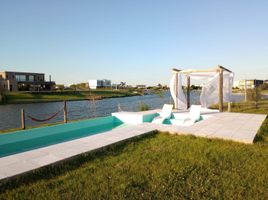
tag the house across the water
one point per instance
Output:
(104, 83)
(24, 81)
(248, 83)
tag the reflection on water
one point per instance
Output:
(10, 114)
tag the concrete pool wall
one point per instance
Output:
(20, 141)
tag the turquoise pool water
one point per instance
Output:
(21, 141)
(150, 117)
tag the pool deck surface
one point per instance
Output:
(237, 127)
(231, 126)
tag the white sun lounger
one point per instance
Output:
(189, 119)
(164, 114)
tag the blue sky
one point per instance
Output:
(137, 41)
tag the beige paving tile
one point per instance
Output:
(2, 176)
(18, 168)
(7, 161)
(200, 133)
(243, 139)
(208, 130)
(244, 133)
(44, 160)
(30, 154)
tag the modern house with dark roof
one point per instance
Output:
(24, 81)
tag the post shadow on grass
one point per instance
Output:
(61, 167)
(262, 132)
(258, 138)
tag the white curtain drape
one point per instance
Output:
(228, 80)
(210, 89)
(179, 98)
(210, 92)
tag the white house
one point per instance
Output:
(248, 83)
(94, 84)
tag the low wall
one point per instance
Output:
(135, 117)
(55, 129)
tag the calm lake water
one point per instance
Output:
(10, 114)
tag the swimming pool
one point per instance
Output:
(21, 141)
(172, 119)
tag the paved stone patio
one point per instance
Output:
(238, 127)
(231, 126)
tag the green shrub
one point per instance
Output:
(264, 86)
(253, 94)
(2, 98)
(143, 106)
(160, 93)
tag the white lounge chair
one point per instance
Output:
(164, 114)
(193, 116)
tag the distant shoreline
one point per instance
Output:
(48, 97)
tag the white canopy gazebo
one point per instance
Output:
(217, 89)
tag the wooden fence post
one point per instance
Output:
(229, 106)
(256, 97)
(22, 119)
(176, 91)
(65, 112)
(188, 91)
(246, 98)
(221, 90)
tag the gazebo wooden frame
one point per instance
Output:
(219, 69)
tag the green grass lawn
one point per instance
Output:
(158, 166)
(35, 97)
(264, 92)
(247, 107)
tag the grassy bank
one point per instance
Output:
(37, 97)
(265, 92)
(261, 107)
(159, 166)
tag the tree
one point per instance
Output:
(82, 86)
(73, 86)
(122, 84)
(253, 94)
(79, 86)
(264, 86)
(60, 87)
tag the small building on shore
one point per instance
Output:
(104, 83)
(141, 86)
(24, 81)
(248, 83)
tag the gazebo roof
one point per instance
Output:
(193, 71)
